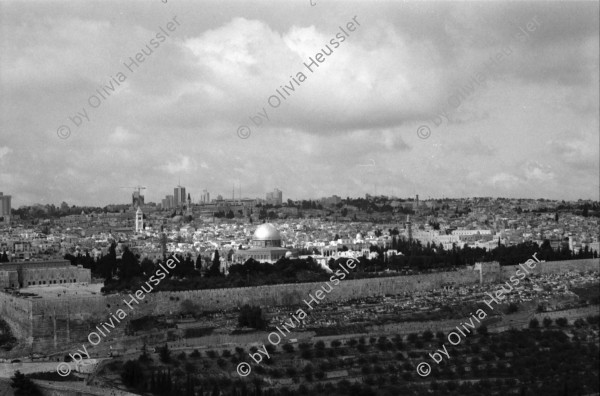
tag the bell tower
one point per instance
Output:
(139, 220)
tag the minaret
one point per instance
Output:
(189, 204)
(417, 207)
(409, 228)
(139, 220)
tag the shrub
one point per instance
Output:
(304, 346)
(23, 386)
(534, 323)
(133, 374)
(547, 322)
(413, 337)
(276, 373)
(291, 372)
(579, 323)
(222, 362)
(165, 354)
(562, 322)
(428, 335)
(593, 319)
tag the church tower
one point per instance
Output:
(139, 220)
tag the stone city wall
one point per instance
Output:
(54, 322)
(555, 267)
(16, 312)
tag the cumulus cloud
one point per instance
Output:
(534, 171)
(178, 113)
(504, 181)
(178, 166)
(121, 135)
(4, 151)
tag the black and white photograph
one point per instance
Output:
(299, 197)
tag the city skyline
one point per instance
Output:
(219, 197)
(436, 99)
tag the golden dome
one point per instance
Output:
(266, 232)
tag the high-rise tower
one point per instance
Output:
(179, 196)
(5, 208)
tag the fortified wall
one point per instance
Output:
(554, 267)
(17, 312)
(51, 323)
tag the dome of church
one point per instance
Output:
(266, 232)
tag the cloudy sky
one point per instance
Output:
(506, 113)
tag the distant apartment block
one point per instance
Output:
(5, 207)
(205, 197)
(168, 202)
(137, 199)
(333, 200)
(275, 197)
